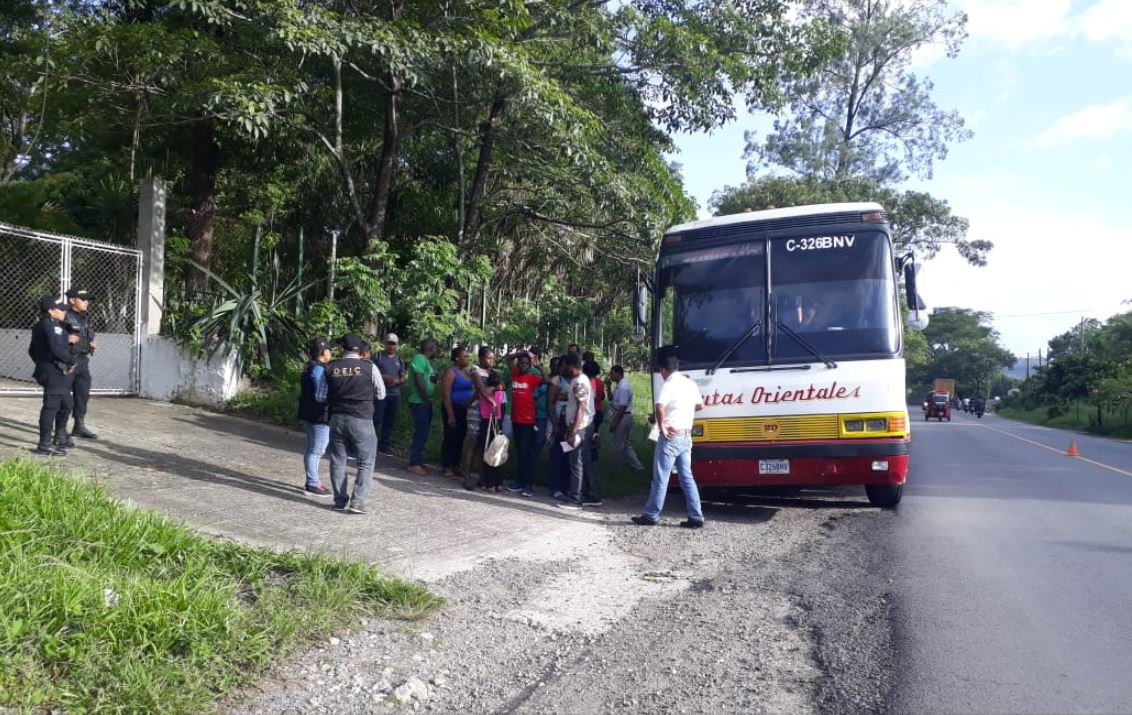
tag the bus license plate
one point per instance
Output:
(774, 466)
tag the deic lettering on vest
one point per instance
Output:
(346, 371)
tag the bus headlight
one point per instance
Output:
(880, 465)
(697, 430)
(854, 425)
(876, 425)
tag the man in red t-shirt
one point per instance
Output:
(525, 379)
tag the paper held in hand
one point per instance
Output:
(568, 447)
(654, 432)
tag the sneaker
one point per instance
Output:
(64, 442)
(352, 509)
(417, 470)
(385, 453)
(318, 490)
(559, 495)
(643, 521)
(49, 451)
(571, 505)
(591, 502)
(527, 493)
(339, 507)
(692, 524)
(515, 488)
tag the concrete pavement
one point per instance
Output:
(243, 479)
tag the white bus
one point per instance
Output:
(789, 321)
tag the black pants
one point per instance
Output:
(452, 448)
(81, 388)
(526, 447)
(53, 415)
(492, 476)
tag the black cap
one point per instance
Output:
(352, 342)
(78, 293)
(317, 345)
(50, 302)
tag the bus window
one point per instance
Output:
(711, 297)
(837, 295)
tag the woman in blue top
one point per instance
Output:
(457, 391)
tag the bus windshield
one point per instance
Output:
(832, 295)
(837, 295)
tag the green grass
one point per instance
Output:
(1079, 416)
(110, 609)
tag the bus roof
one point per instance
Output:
(776, 214)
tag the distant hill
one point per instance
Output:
(1018, 369)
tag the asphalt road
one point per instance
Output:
(1011, 567)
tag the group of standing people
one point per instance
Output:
(62, 343)
(349, 405)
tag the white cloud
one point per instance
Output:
(1107, 20)
(1016, 22)
(1046, 271)
(1103, 162)
(1097, 121)
(1021, 23)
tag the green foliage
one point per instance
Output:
(251, 321)
(866, 114)
(113, 609)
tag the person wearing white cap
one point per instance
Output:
(394, 374)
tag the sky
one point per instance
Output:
(1046, 86)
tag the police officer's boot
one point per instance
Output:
(62, 439)
(46, 447)
(80, 430)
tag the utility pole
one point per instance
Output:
(334, 234)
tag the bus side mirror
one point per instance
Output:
(641, 307)
(917, 309)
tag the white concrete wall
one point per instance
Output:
(172, 374)
(109, 367)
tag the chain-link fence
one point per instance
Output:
(34, 264)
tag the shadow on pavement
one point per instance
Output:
(186, 468)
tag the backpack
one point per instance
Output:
(497, 444)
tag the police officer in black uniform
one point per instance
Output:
(78, 322)
(50, 349)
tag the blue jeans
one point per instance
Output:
(384, 418)
(318, 436)
(351, 434)
(669, 451)
(422, 421)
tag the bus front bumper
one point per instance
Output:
(873, 462)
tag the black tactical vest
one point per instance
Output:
(351, 387)
(309, 410)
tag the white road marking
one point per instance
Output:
(1102, 465)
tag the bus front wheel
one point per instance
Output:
(885, 496)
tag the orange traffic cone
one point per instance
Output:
(1072, 451)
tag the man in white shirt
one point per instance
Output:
(676, 407)
(579, 434)
(621, 418)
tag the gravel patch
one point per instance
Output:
(778, 605)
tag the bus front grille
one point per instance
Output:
(769, 429)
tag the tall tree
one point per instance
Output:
(866, 114)
(961, 344)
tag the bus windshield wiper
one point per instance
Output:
(806, 344)
(751, 330)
